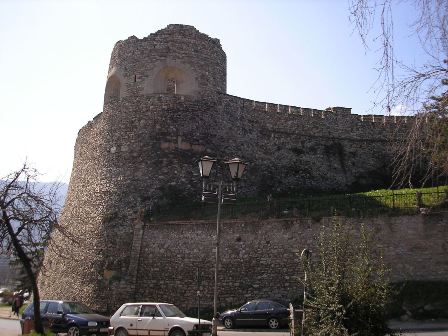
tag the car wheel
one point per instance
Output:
(73, 331)
(273, 323)
(228, 323)
(177, 332)
(121, 332)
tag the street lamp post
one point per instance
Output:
(305, 256)
(221, 191)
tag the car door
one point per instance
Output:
(128, 319)
(151, 322)
(262, 313)
(29, 311)
(245, 315)
(54, 317)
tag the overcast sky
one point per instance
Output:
(54, 57)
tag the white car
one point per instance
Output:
(156, 319)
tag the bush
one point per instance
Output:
(347, 285)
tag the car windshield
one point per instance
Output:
(171, 311)
(76, 308)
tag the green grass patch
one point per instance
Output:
(22, 309)
(405, 198)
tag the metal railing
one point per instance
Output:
(352, 205)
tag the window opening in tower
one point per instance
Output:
(171, 86)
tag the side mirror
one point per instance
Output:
(153, 315)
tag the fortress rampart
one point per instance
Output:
(311, 149)
(334, 112)
(165, 106)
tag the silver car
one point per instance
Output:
(158, 319)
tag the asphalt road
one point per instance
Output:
(286, 333)
(428, 333)
(12, 328)
(9, 327)
(255, 332)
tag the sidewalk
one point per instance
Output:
(6, 312)
(424, 325)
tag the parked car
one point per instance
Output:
(69, 317)
(153, 318)
(257, 313)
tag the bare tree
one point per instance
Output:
(418, 88)
(423, 154)
(28, 215)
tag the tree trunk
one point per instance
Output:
(38, 327)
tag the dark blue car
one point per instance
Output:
(257, 313)
(69, 317)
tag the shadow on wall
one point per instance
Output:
(113, 88)
(419, 300)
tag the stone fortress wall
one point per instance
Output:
(261, 258)
(165, 106)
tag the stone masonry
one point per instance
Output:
(165, 106)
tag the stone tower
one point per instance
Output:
(165, 105)
(140, 148)
(175, 60)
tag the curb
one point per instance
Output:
(420, 328)
(414, 325)
(7, 317)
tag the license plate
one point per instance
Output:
(104, 330)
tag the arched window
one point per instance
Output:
(113, 88)
(171, 79)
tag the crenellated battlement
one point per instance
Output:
(336, 112)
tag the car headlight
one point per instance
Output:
(92, 324)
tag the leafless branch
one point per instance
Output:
(411, 86)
